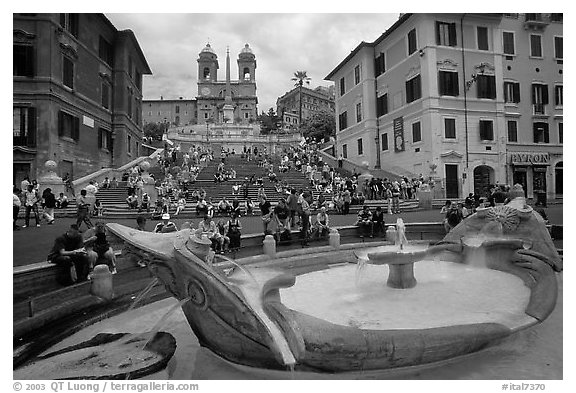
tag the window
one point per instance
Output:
(535, 45)
(512, 131)
(385, 141)
(342, 86)
(68, 72)
(512, 92)
(129, 141)
(360, 147)
(24, 126)
(486, 130)
(343, 120)
(508, 38)
(105, 95)
(345, 151)
(560, 132)
(105, 51)
(448, 83)
(358, 112)
(357, 74)
(445, 34)
(104, 139)
(541, 134)
(205, 115)
(177, 120)
(556, 17)
(70, 22)
(23, 60)
(206, 73)
(412, 42)
(486, 86)
(416, 132)
(380, 64)
(539, 98)
(559, 95)
(558, 48)
(413, 89)
(450, 128)
(482, 35)
(382, 105)
(177, 108)
(68, 126)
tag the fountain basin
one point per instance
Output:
(237, 327)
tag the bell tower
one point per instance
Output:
(207, 65)
(246, 65)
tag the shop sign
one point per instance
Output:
(529, 158)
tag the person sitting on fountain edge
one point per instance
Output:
(71, 258)
(364, 222)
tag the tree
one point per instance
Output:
(268, 121)
(321, 125)
(155, 130)
(300, 78)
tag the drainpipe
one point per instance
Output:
(378, 158)
(465, 97)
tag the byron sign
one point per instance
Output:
(533, 158)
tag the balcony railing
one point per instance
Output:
(539, 109)
(535, 22)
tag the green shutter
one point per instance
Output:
(60, 123)
(452, 34)
(100, 136)
(545, 94)
(31, 134)
(76, 128)
(516, 88)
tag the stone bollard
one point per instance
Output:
(101, 285)
(391, 234)
(334, 238)
(270, 246)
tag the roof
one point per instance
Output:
(308, 91)
(403, 18)
(132, 36)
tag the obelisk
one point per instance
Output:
(228, 106)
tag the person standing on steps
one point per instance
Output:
(83, 212)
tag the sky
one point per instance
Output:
(282, 43)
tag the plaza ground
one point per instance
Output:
(32, 245)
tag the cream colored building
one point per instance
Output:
(427, 97)
(180, 112)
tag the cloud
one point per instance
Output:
(282, 43)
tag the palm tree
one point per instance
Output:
(300, 78)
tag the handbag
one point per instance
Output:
(266, 217)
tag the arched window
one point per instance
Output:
(206, 73)
(246, 73)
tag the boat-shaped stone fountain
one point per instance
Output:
(491, 276)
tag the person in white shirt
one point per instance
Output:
(16, 203)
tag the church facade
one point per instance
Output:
(226, 101)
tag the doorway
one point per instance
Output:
(451, 180)
(519, 177)
(558, 179)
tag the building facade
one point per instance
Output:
(212, 91)
(428, 97)
(313, 101)
(177, 113)
(533, 101)
(77, 93)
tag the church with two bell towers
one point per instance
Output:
(226, 101)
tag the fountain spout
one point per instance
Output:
(401, 240)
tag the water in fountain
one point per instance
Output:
(162, 321)
(401, 240)
(360, 269)
(242, 268)
(143, 293)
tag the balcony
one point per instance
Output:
(539, 109)
(535, 22)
